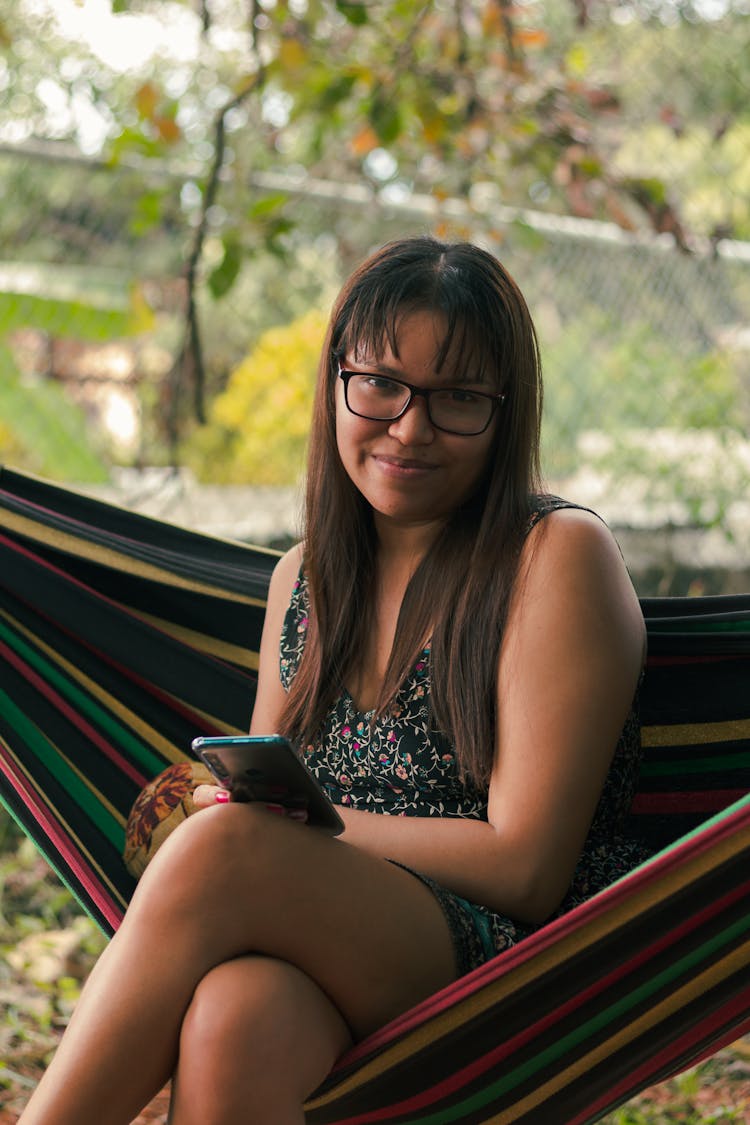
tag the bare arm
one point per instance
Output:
(570, 662)
(270, 696)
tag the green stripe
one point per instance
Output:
(84, 704)
(585, 1031)
(51, 858)
(86, 799)
(697, 625)
(685, 766)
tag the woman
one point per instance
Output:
(447, 644)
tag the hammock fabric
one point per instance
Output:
(122, 637)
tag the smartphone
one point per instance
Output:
(266, 768)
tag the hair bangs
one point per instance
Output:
(475, 347)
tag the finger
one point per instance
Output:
(204, 796)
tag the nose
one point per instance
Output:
(414, 426)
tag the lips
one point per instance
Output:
(402, 464)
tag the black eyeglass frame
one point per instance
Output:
(495, 399)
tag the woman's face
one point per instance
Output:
(410, 472)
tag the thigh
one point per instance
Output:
(258, 1037)
(369, 933)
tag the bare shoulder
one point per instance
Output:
(270, 696)
(572, 569)
(279, 595)
(285, 574)
(572, 542)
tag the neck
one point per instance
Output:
(405, 545)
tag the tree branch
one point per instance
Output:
(189, 366)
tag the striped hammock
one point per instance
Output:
(122, 637)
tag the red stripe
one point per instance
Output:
(64, 846)
(178, 706)
(455, 1081)
(553, 932)
(731, 1035)
(707, 801)
(74, 718)
(712, 1031)
(172, 703)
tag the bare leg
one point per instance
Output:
(232, 881)
(257, 1039)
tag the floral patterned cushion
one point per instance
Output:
(159, 808)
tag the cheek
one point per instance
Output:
(350, 429)
(351, 434)
(481, 463)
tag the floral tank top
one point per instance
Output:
(401, 765)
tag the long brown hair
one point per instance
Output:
(460, 592)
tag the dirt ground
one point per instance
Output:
(716, 1093)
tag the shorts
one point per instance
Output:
(470, 929)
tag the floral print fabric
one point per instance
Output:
(400, 765)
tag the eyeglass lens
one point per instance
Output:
(455, 409)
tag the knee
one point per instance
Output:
(256, 1032)
(235, 1010)
(203, 856)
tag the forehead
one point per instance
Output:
(424, 338)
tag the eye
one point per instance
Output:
(379, 384)
(457, 396)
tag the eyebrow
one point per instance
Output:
(395, 373)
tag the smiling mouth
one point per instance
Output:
(403, 464)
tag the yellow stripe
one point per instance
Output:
(501, 989)
(695, 734)
(132, 719)
(118, 560)
(60, 819)
(235, 654)
(676, 1001)
(101, 799)
(147, 733)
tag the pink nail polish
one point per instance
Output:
(221, 796)
(278, 809)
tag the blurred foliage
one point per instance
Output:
(590, 107)
(228, 165)
(617, 367)
(47, 947)
(42, 431)
(258, 426)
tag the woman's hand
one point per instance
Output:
(206, 796)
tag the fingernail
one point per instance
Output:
(279, 809)
(221, 796)
(297, 814)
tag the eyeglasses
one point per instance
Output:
(456, 410)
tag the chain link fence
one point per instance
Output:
(646, 342)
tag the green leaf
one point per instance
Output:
(148, 212)
(65, 300)
(651, 189)
(224, 276)
(356, 13)
(385, 118)
(267, 205)
(334, 92)
(527, 237)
